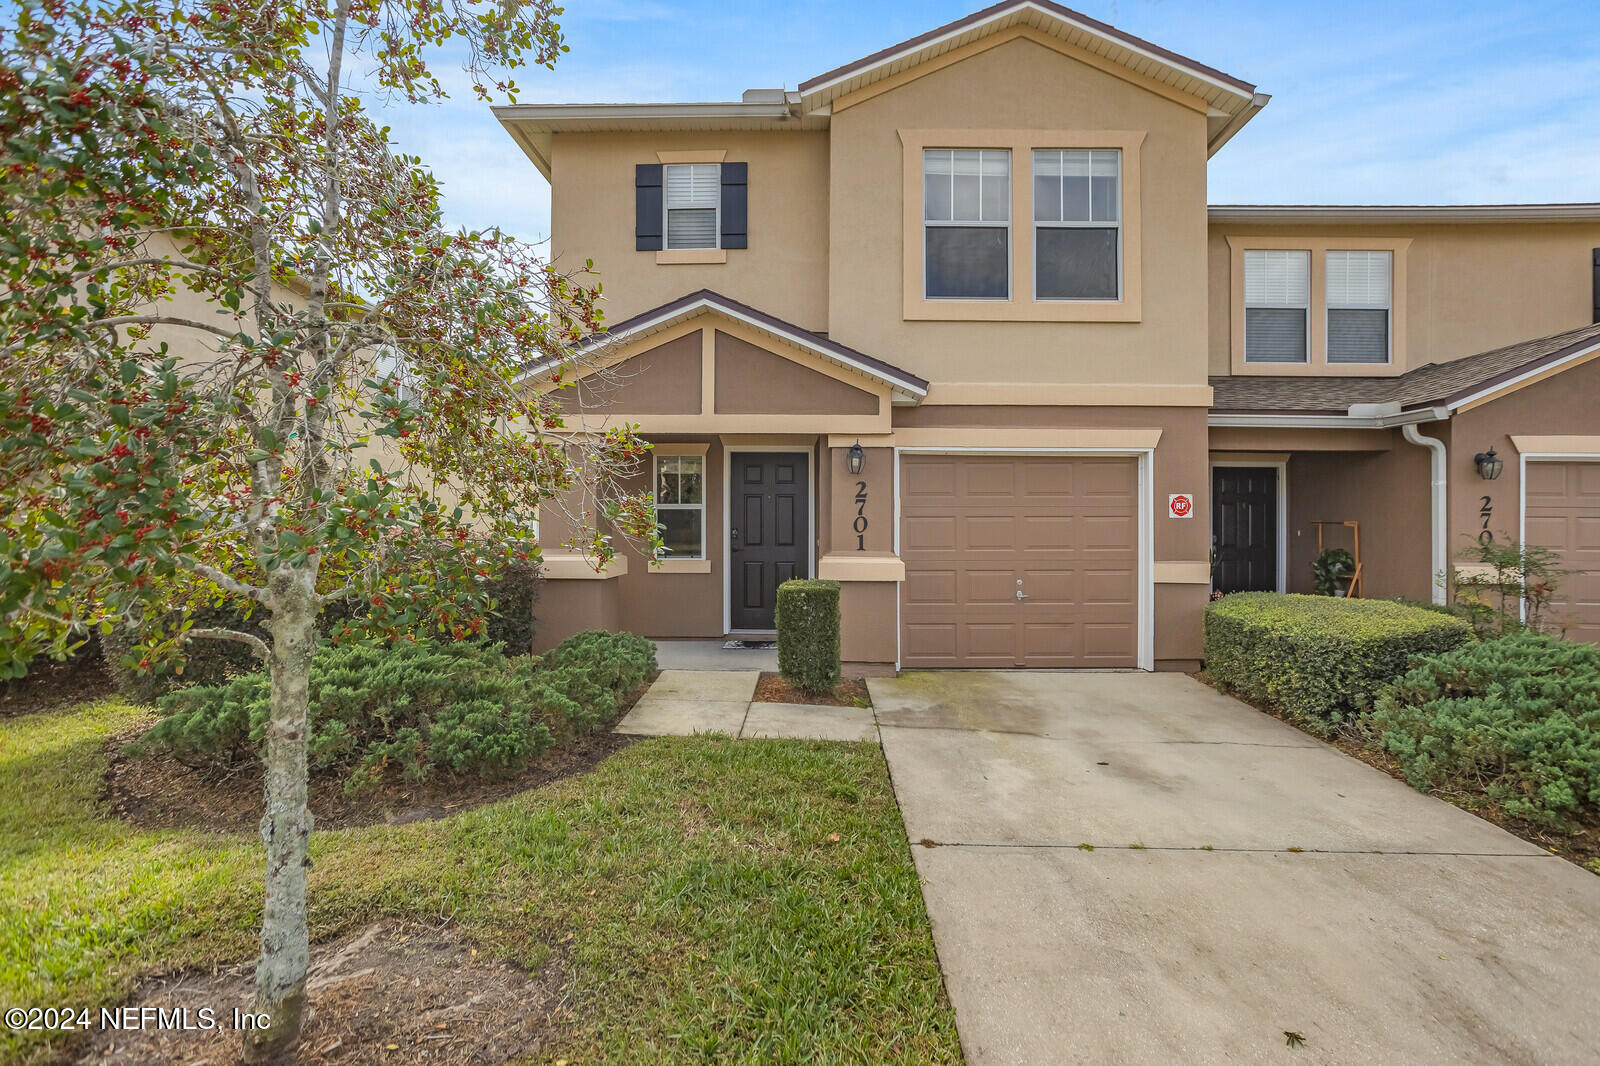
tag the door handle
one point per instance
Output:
(1021, 595)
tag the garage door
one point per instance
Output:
(976, 530)
(1563, 500)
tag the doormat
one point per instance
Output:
(750, 645)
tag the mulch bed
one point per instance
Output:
(849, 692)
(158, 792)
(50, 685)
(393, 993)
(1581, 848)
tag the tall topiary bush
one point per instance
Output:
(512, 596)
(808, 634)
(1517, 718)
(1318, 659)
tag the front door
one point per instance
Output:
(1244, 528)
(767, 532)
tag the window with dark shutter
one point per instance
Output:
(647, 230)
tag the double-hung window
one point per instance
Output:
(681, 505)
(1277, 306)
(1359, 305)
(1077, 224)
(966, 230)
(693, 196)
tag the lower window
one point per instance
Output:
(681, 505)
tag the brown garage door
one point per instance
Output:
(977, 529)
(1563, 500)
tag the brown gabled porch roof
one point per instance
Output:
(1445, 385)
(907, 386)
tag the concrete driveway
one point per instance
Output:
(1245, 882)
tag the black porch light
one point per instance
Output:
(1489, 464)
(857, 458)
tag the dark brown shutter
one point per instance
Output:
(1596, 288)
(735, 183)
(647, 207)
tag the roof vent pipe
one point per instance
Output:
(1441, 498)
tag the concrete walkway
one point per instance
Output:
(686, 702)
(1245, 882)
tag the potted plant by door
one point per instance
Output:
(1331, 571)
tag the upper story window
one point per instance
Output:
(966, 231)
(693, 200)
(681, 505)
(1077, 238)
(1277, 306)
(1359, 286)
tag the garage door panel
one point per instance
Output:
(1066, 527)
(988, 533)
(1563, 514)
(990, 587)
(931, 588)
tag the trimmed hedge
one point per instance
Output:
(1517, 718)
(415, 708)
(808, 634)
(1318, 659)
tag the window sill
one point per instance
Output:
(680, 566)
(916, 310)
(680, 256)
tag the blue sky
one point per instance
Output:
(1373, 102)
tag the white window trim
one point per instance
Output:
(682, 564)
(1037, 223)
(1329, 305)
(1011, 176)
(666, 225)
(1310, 261)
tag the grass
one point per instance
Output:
(706, 909)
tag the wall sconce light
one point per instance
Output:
(857, 458)
(1489, 464)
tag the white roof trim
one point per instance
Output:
(1241, 213)
(965, 28)
(1361, 416)
(904, 392)
(1509, 383)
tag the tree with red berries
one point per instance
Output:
(241, 360)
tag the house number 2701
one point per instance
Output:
(860, 524)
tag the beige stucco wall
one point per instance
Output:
(1469, 287)
(783, 272)
(1019, 85)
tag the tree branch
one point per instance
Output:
(249, 640)
(229, 583)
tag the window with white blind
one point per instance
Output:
(693, 196)
(1077, 227)
(1359, 286)
(966, 231)
(681, 505)
(1277, 306)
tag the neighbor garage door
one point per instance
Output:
(977, 529)
(1563, 500)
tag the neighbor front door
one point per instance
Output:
(767, 532)
(1244, 528)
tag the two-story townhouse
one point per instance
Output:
(952, 325)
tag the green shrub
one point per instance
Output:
(808, 634)
(1517, 717)
(415, 708)
(205, 661)
(1318, 659)
(511, 621)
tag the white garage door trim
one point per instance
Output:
(1147, 532)
(1522, 493)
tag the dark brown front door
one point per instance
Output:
(1244, 528)
(767, 532)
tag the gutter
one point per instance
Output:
(1358, 416)
(1441, 497)
(1236, 123)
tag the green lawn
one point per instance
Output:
(725, 924)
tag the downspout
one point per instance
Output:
(1441, 542)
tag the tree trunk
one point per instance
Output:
(286, 824)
